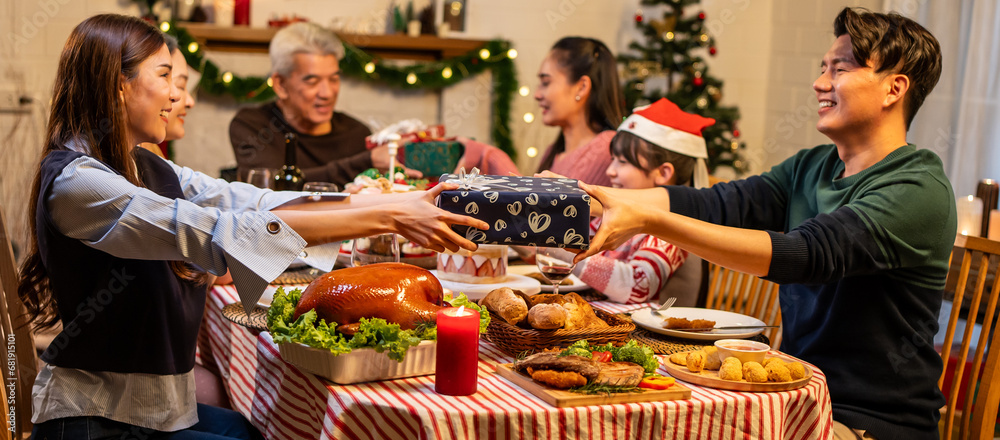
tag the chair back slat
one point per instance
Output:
(746, 294)
(16, 332)
(976, 257)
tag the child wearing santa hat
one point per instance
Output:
(657, 145)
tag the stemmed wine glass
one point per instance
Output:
(555, 264)
(382, 248)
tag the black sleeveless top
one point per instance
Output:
(119, 315)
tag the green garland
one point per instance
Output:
(495, 56)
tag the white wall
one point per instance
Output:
(768, 56)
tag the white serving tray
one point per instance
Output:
(362, 364)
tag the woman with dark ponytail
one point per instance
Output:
(579, 93)
(121, 241)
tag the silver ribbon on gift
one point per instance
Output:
(474, 181)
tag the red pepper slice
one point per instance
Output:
(656, 382)
(601, 356)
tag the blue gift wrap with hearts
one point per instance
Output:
(529, 211)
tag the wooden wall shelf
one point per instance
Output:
(256, 40)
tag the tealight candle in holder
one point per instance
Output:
(457, 369)
(970, 215)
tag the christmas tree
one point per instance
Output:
(671, 56)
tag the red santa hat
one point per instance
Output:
(665, 125)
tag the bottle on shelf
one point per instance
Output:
(290, 177)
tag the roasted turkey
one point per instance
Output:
(397, 292)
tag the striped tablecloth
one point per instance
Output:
(286, 403)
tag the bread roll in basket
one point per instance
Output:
(564, 319)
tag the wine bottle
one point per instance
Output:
(290, 178)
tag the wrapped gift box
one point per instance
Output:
(433, 158)
(521, 210)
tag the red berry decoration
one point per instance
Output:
(736, 133)
(712, 51)
(698, 81)
(638, 18)
(701, 15)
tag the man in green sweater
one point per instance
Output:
(857, 233)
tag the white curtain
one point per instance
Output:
(960, 120)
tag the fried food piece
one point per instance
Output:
(731, 369)
(754, 372)
(778, 372)
(559, 379)
(796, 369)
(702, 323)
(679, 358)
(771, 359)
(684, 323)
(712, 361)
(696, 361)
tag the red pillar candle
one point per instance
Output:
(457, 368)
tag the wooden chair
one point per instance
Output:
(977, 257)
(743, 293)
(17, 340)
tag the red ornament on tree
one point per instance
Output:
(698, 81)
(701, 15)
(638, 17)
(712, 51)
(736, 133)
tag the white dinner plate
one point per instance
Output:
(525, 269)
(646, 319)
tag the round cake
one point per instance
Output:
(487, 265)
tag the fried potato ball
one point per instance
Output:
(778, 372)
(712, 361)
(754, 372)
(771, 359)
(559, 379)
(731, 369)
(696, 361)
(679, 358)
(796, 369)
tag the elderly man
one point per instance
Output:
(306, 78)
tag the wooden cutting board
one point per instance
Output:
(563, 399)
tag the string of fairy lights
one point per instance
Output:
(496, 56)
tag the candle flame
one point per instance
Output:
(461, 311)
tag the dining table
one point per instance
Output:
(287, 403)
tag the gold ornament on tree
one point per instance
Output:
(668, 24)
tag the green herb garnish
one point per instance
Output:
(592, 388)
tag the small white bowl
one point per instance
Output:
(745, 351)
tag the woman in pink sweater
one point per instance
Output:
(578, 92)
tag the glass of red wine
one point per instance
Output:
(555, 264)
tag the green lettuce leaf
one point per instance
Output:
(462, 300)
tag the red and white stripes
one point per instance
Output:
(286, 403)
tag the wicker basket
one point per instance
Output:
(515, 340)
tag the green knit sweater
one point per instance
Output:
(862, 263)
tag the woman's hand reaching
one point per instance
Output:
(428, 226)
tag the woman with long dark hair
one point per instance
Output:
(578, 92)
(121, 241)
